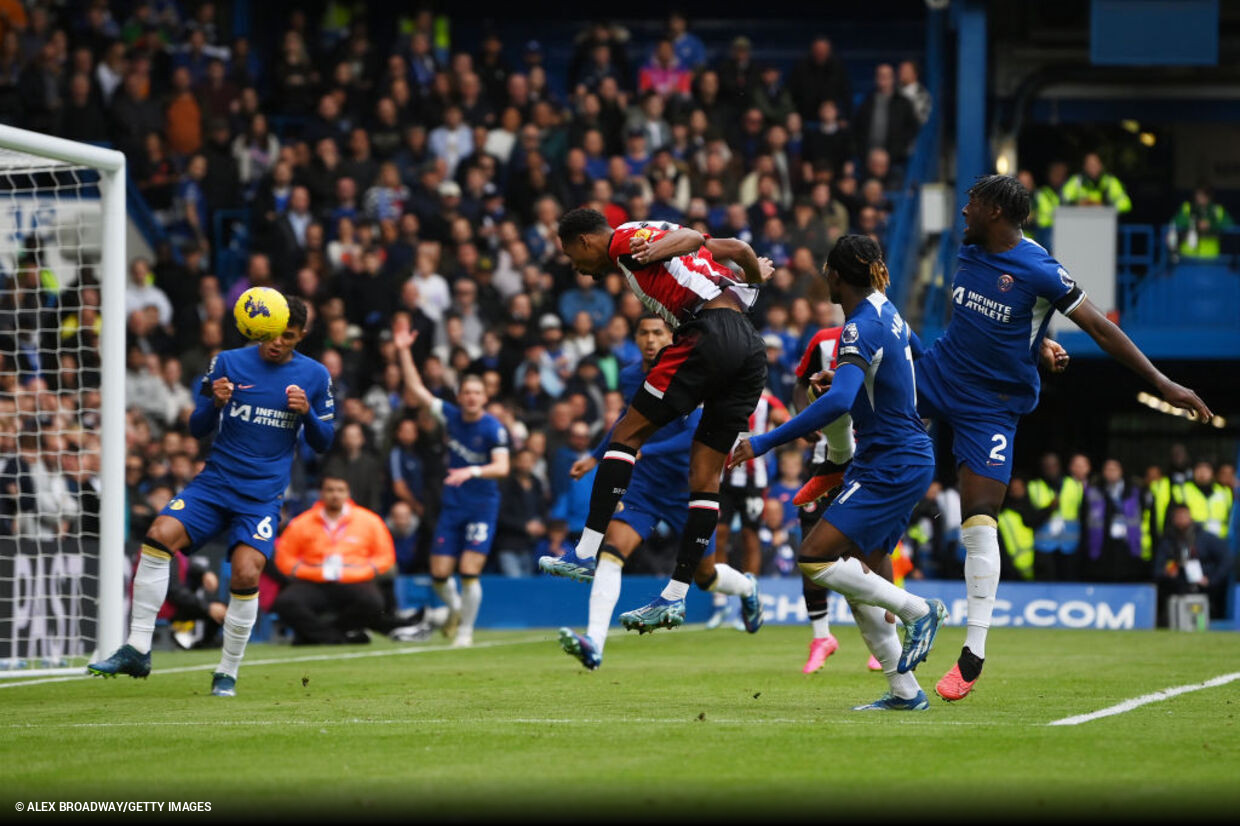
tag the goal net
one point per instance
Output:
(62, 384)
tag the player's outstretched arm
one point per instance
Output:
(757, 270)
(1119, 346)
(416, 393)
(837, 401)
(672, 244)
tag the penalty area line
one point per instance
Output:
(1145, 699)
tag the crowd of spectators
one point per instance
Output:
(411, 177)
(414, 178)
(1116, 525)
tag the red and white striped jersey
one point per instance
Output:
(674, 289)
(753, 473)
(821, 354)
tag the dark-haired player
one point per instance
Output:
(717, 360)
(477, 458)
(847, 550)
(982, 376)
(658, 492)
(261, 399)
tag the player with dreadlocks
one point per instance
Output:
(847, 551)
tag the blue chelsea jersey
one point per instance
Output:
(253, 450)
(889, 431)
(469, 445)
(1001, 305)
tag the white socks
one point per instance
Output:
(850, 578)
(884, 643)
(471, 598)
(675, 590)
(447, 592)
(981, 576)
(604, 594)
(588, 545)
(238, 621)
(821, 627)
(150, 589)
(841, 443)
(728, 580)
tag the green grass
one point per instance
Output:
(677, 723)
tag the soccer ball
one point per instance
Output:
(261, 313)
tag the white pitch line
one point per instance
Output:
(309, 658)
(1145, 699)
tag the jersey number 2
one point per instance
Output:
(996, 452)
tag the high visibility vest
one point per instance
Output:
(1062, 532)
(1045, 199)
(1147, 536)
(1161, 490)
(1107, 190)
(1196, 244)
(901, 565)
(1017, 541)
(1212, 512)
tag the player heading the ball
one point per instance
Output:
(260, 399)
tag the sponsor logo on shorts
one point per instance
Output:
(1006, 282)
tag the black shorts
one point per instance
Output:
(717, 360)
(747, 500)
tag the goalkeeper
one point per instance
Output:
(261, 399)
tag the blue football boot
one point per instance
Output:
(126, 660)
(890, 702)
(223, 686)
(581, 647)
(751, 607)
(661, 613)
(569, 565)
(919, 636)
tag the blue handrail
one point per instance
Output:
(904, 231)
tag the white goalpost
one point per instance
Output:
(62, 403)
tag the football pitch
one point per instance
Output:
(712, 725)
